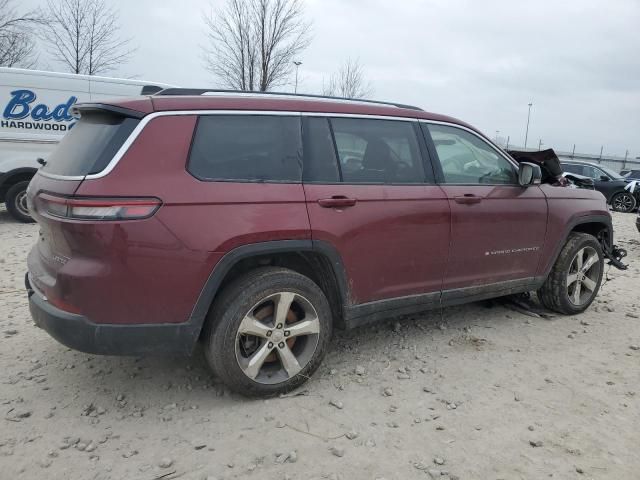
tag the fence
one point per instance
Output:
(614, 162)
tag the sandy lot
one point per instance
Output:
(470, 392)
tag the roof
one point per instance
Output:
(276, 103)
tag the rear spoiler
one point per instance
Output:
(77, 110)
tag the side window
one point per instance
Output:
(573, 168)
(592, 172)
(377, 151)
(466, 159)
(320, 164)
(247, 148)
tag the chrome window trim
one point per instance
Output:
(168, 113)
(484, 139)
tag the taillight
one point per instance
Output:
(97, 208)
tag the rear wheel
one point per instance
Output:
(623, 202)
(268, 332)
(575, 278)
(16, 202)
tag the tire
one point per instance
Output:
(558, 293)
(623, 202)
(232, 355)
(16, 202)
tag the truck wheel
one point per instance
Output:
(575, 278)
(16, 202)
(623, 202)
(267, 332)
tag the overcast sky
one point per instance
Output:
(482, 61)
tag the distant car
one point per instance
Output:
(609, 183)
(630, 174)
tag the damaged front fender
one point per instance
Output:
(613, 253)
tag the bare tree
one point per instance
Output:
(84, 36)
(17, 45)
(252, 43)
(348, 82)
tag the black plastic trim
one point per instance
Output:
(366, 313)
(573, 223)
(94, 107)
(227, 262)
(150, 89)
(370, 312)
(459, 296)
(79, 333)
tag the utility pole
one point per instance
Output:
(507, 147)
(297, 63)
(539, 144)
(497, 132)
(573, 152)
(526, 135)
(624, 164)
(600, 158)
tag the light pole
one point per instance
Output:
(497, 133)
(526, 135)
(539, 144)
(297, 63)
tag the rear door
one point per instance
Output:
(369, 195)
(497, 227)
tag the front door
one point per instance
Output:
(376, 205)
(497, 226)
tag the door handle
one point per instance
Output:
(337, 201)
(468, 199)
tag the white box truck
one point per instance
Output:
(36, 113)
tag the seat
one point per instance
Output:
(377, 163)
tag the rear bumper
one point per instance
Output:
(79, 333)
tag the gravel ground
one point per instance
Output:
(473, 392)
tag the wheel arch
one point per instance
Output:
(10, 178)
(317, 260)
(600, 226)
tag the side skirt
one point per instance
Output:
(371, 312)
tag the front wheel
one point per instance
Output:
(16, 202)
(268, 332)
(575, 278)
(623, 202)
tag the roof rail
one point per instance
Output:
(208, 91)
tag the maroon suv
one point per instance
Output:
(255, 224)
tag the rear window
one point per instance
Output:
(253, 148)
(90, 145)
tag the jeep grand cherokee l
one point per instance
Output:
(255, 224)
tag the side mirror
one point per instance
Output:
(529, 174)
(604, 178)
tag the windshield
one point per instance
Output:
(611, 173)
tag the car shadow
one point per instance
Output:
(148, 382)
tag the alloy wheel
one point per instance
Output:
(623, 202)
(21, 203)
(583, 276)
(277, 338)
